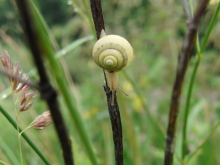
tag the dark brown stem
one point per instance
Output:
(116, 126)
(48, 93)
(181, 70)
(113, 109)
(97, 15)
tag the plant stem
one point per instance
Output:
(113, 109)
(189, 94)
(17, 127)
(97, 16)
(19, 143)
(14, 124)
(211, 25)
(28, 127)
(192, 79)
(115, 117)
(180, 74)
(90, 17)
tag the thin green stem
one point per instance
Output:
(198, 49)
(24, 130)
(90, 17)
(192, 79)
(14, 124)
(28, 127)
(16, 120)
(20, 150)
(19, 142)
(189, 95)
(211, 25)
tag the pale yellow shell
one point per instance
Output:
(112, 53)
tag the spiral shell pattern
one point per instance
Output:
(112, 53)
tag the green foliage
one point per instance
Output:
(156, 30)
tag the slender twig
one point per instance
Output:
(113, 109)
(47, 91)
(180, 74)
(29, 83)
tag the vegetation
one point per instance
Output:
(156, 30)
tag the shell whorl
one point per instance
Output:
(112, 53)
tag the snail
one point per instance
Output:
(112, 53)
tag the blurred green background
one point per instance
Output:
(156, 31)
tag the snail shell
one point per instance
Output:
(112, 53)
